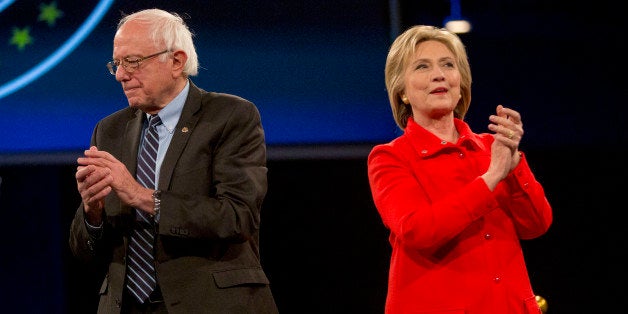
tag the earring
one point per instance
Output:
(405, 100)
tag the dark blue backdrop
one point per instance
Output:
(315, 70)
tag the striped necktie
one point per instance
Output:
(141, 280)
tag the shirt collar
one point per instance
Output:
(427, 143)
(172, 111)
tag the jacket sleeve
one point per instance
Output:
(524, 198)
(405, 204)
(84, 243)
(219, 183)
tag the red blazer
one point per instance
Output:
(455, 244)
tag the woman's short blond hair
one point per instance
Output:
(399, 56)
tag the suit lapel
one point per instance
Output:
(126, 153)
(131, 141)
(183, 131)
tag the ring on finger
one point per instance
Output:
(511, 134)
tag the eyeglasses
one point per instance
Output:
(129, 65)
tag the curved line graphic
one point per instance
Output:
(54, 59)
(5, 3)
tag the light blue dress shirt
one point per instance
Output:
(169, 117)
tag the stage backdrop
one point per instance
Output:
(315, 70)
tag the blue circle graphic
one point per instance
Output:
(40, 69)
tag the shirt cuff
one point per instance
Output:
(94, 231)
